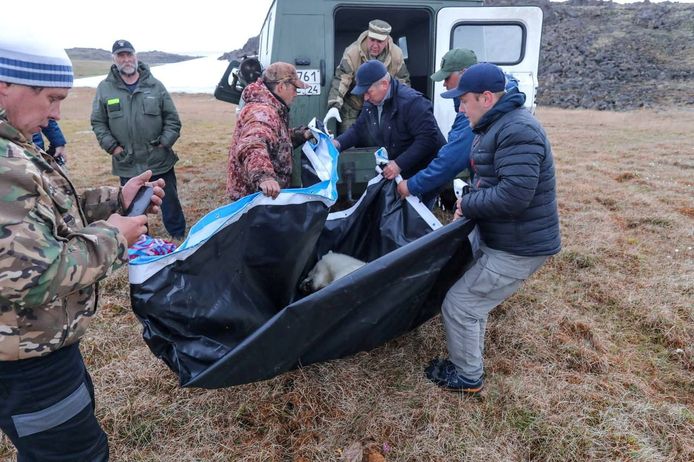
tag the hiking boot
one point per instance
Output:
(444, 374)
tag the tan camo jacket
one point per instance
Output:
(354, 56)
(50, 257)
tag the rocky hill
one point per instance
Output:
(604, 55)
(149, 57)
(249, 48)
(607, 56)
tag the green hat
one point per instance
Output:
(455, 60)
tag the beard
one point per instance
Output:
(127, 69)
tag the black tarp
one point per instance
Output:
(225, 309)
(229, 313)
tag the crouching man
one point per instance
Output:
(55, 244)
(513, 201)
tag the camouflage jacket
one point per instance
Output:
(50, 257)
(354, 56)
(262, 145)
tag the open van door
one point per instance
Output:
(506, 36)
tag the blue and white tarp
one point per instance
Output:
(225, 307)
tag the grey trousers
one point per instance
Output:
(493, 277)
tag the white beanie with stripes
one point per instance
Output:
(32, 62)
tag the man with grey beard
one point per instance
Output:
(136, 123)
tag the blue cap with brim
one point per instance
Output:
(478, 79)
(368, 73)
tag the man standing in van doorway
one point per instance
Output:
(374, 43)
(136, 122)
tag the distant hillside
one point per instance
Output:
(149, 57)
(605, 55)
(249, 48)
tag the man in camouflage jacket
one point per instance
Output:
(374, 43)
(55, 244)
(260, 156)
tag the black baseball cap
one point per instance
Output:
(122, 45)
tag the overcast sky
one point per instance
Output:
(175, 26)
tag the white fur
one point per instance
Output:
(331, 267)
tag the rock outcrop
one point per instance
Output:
(609, 56)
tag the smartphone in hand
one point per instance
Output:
(140, 202)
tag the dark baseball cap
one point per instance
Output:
(478, 79)
(369, 73)
(122, 45)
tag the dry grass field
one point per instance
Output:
(90, 67)
(593, 359)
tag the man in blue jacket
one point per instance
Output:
(56, 141)
(396, 117)
(454, 157)
(513, 201)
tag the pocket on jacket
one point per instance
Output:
(115, 114)
(62, 201)
(114, 108)
(124, 158)
(152, 106)
(159, 157)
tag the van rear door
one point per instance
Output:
(506, 36)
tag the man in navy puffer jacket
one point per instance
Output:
(513, 201)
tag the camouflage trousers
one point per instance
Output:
(47, 408)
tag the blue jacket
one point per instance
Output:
(408, 129)
(513, 197)
(454, 157)
(53, 133)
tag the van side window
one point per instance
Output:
(496, 43)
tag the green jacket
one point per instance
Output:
(145, 123)
(54, 247)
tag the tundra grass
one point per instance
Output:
(593, 359)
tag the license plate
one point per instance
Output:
(310, 77)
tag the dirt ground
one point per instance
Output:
(593, 359)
